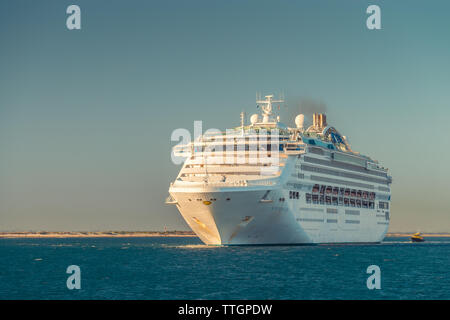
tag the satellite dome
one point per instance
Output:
(254, 118)
(299, 120)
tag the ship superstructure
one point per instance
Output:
(267, 183)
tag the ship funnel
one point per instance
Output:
(319, 120)
(323, 120)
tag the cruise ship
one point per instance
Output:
(266, 183)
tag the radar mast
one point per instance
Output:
(266, 106)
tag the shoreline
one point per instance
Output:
(399, 234)
(109, 234)
(143, 234)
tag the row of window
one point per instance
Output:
(313, 142)
(383, 205)
(323, 189)
(294, 195)
(212, 199)
(337, 173)
(339, 201)
(240, 147)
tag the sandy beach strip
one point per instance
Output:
(111, 234)
(440, 235)
(137, 234)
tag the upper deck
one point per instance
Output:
(260, 150)
(270, 135)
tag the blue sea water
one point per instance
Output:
(184, 268)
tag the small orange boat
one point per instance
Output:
(417, 237)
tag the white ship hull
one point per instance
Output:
(244, 220)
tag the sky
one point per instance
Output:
(86, 115)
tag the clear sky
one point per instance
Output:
(86, 115)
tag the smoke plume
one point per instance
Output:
(305, 105)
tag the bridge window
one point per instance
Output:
(293, 195)
(315, 198)
(308, 198)
(322, 189)
(383, 205)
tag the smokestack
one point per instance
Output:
(320, 120)
(314, 120)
